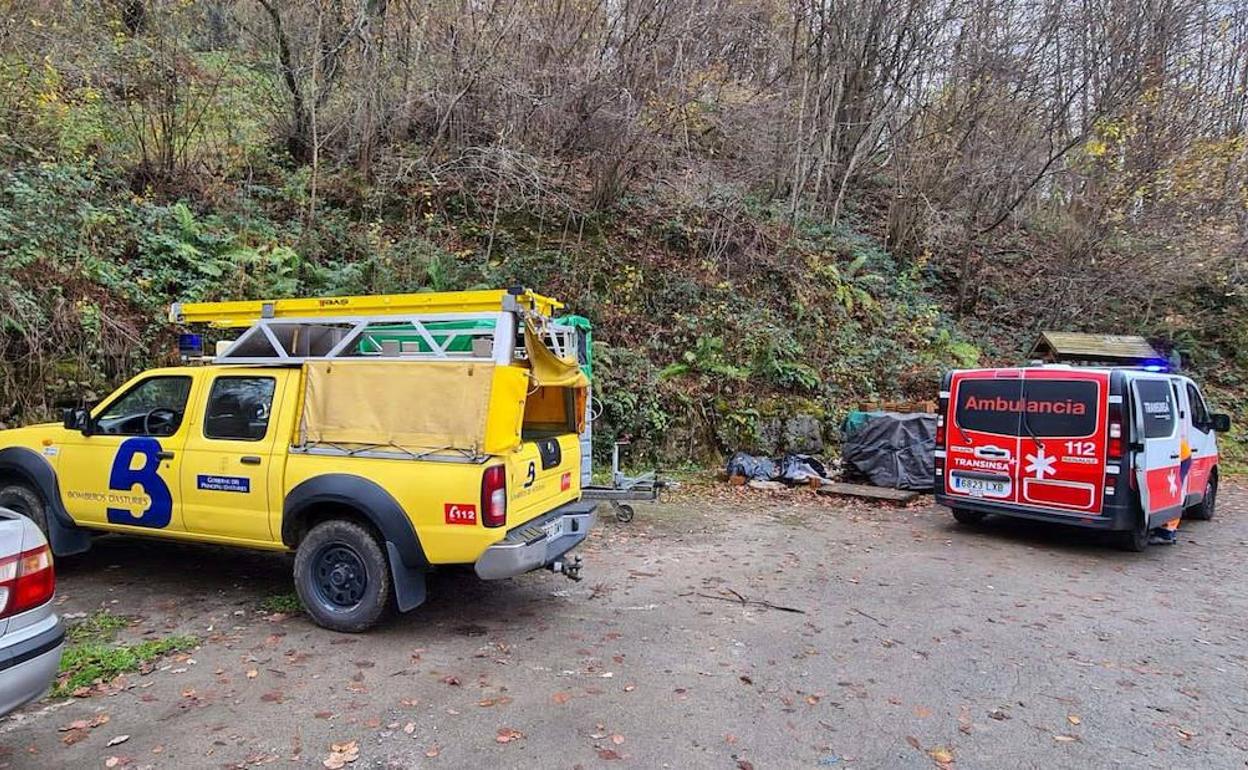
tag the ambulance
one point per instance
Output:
(1120, 448)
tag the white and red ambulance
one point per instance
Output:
(1121, 448)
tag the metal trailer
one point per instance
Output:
(625, 488)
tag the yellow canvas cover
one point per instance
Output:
(548, 369)
(419, 405)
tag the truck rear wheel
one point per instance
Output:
(969, 518)
(342, 576)
(19, 497)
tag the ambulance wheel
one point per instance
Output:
(26, 501)
(969, 518)
(342, 577)
(1204, 511)
(1135, 539)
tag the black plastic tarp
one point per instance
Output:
(894, 450)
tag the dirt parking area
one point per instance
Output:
(915, 643)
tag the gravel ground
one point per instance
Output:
(918, 643)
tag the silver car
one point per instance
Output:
(31, 634)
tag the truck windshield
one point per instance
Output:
(1065, 408)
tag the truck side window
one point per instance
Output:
(238, 408)
(1200, 412)
(154, 407)
(1157, 407)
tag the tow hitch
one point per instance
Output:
(570, 569)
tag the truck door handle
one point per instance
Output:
(164, 455)
(249, 460)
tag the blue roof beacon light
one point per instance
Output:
(1155, 365)
(190, 346)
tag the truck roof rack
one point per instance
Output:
(445, 326)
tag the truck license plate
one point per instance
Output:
(980, 487)
(554, 529)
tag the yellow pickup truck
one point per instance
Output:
(375, 437)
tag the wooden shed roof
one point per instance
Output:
(1078, 346)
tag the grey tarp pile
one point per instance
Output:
(791, 468)
(893, 450)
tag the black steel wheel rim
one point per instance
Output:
(339, 576)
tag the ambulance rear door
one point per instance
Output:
(1155, 446)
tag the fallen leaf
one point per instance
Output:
(561, 697)
(630, 687)
(1074, 719)
(745, 764)
(341, 754)
(922, 712)
(1065, 738)
(508, 734)
(486, 703)
(409, 728)
(252, 673)
(730, 739)
(940, 755)
(74, 735)
(745, 679)
(617, 739)
(433, 751)
(608, 754)
(118, 740)
(273, 696)
(914, 742)
(453, 681)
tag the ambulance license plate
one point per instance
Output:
(554, 529)
(980, 487)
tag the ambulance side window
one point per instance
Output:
(1200, 412)
(1157, 408)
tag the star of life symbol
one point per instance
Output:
(1173, 482)
(1041, 464)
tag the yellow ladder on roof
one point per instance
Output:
(247, 312)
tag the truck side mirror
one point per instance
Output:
(77, 419)
(1220, 421)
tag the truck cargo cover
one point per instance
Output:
(418, 405)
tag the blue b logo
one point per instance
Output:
(124, 479)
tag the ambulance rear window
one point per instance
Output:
(1053, 408)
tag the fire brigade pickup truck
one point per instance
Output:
(375, 437)
(1124, 449)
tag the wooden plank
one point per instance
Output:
(868, 491)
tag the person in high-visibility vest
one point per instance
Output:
(1167, 534)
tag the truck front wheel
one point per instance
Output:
(342, 577)
(26, 501)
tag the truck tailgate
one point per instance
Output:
(543, 474)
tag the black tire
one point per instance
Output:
(624, 513)
(342, 576)
(969, 518)
(1135, 539)
(1205, 510)
(21, 498)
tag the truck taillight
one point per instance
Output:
(26, 580)
(1114, 443)
(940, 431)
(494, 496)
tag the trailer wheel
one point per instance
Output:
(969, 518)
(1205, 511)
(342, 577)
(624, 513)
